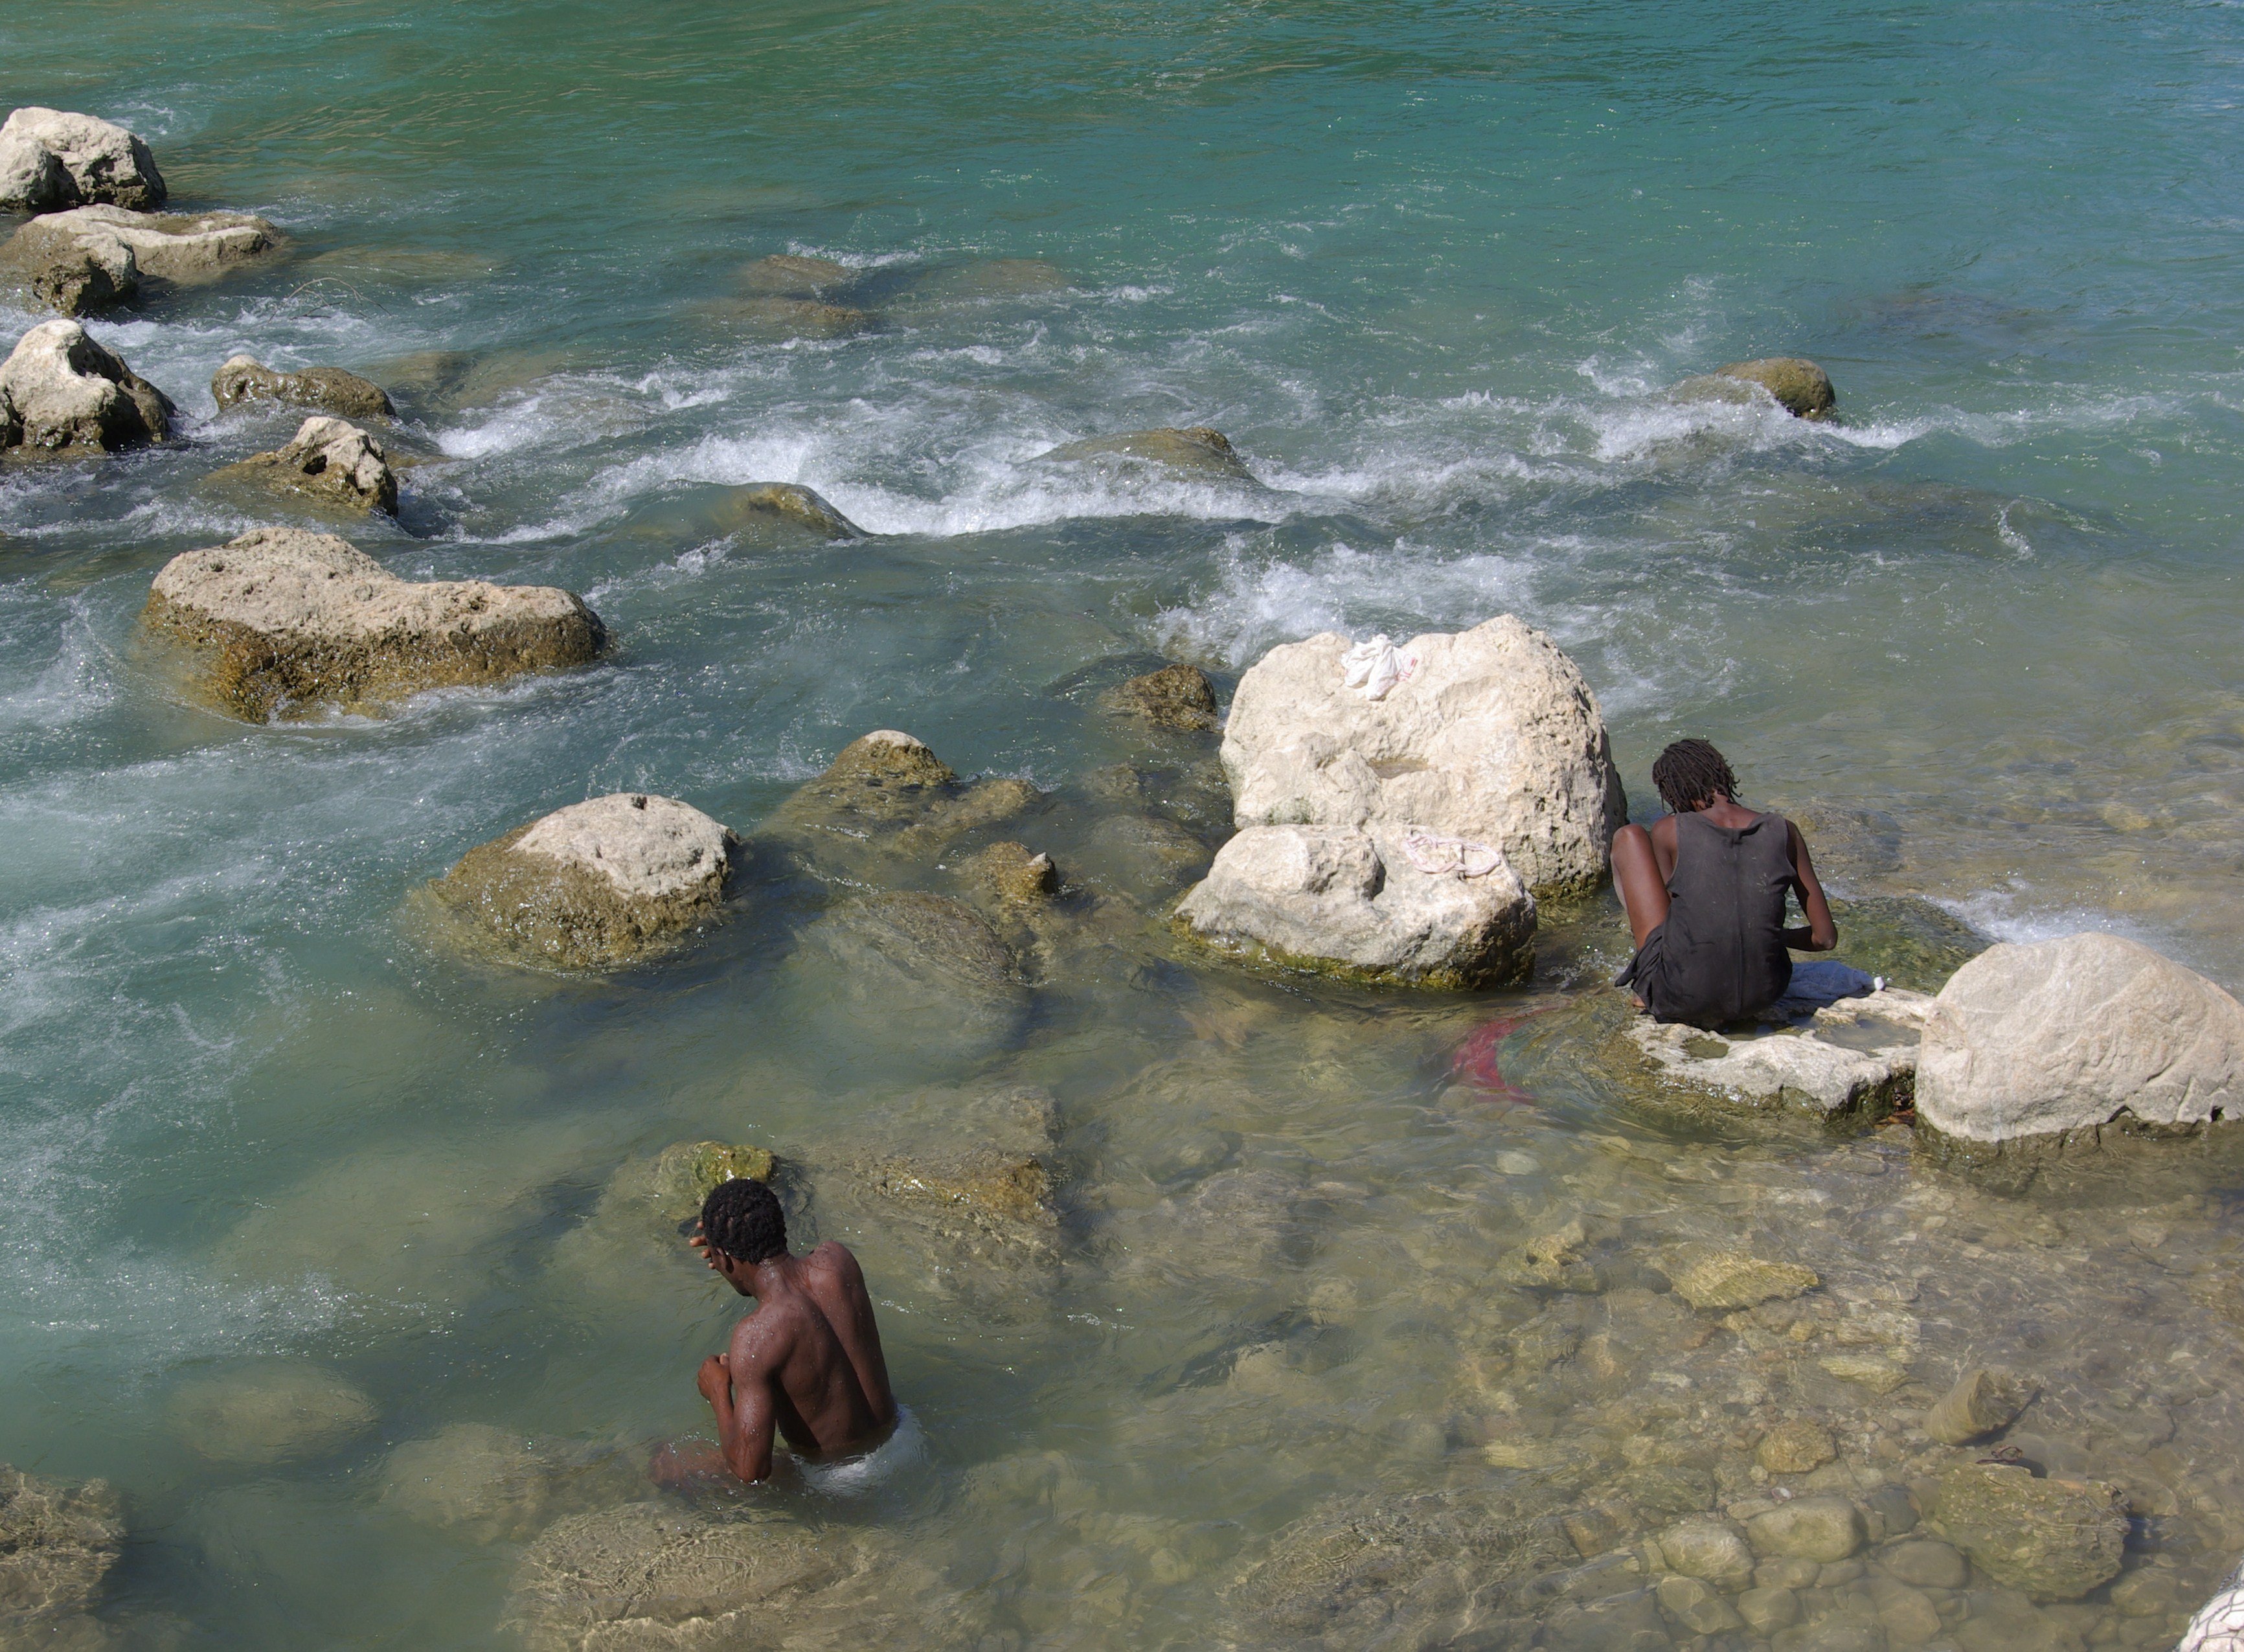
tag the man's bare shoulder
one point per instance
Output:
(835, 1259)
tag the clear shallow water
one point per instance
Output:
(1425, 267)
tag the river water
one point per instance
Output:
(1428, 266)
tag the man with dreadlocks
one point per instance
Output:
(1705, 889)
(807, 1361)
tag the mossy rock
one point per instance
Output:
(686, 1173)
(1910, 942)
(2055, 1540)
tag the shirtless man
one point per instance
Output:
(807, 1361)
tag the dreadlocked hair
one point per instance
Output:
(742, 1218)
(1690, 772)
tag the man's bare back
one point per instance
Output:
(807, 1364)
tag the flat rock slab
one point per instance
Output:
(1854, 1059)
(596, 885)
(94, 258)
(288, 623)
(59, 390)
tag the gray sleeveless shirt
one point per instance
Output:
(1720, 956)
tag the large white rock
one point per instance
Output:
(1493, 738)
(648, 846)
(290, 622)
(1348, 902)
(50, 160)
(60, 389)
(2062, 1036)
(90, 258)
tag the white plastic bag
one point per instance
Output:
(1376, 666)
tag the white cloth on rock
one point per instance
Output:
(1440, 857)
(1376, 666)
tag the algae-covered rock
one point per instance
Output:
(884, 779)
(1823, 1529)
(245, 378)
(1176, 697)
(328, 461)
(270, 1411)
(2053, 1538)
(788, 276)
(286, 623)
(1341, 901)
(757, 504)
(1983, 1400)
(59, 390)
(53, 159)
(483, 1482)
(1800, 387)
(1708, 1549)
(58, 1544)
(1554, 1261)
(1014, 874)
(1909, 943)
(596, 885)
(1795, 1447)
(1198, 451)
(791, 317)
(686, 1173)
(1723, 1280)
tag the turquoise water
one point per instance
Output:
(1427, 267)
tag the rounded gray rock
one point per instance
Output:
(1823, 1529)
(329, 461)
(244, 378)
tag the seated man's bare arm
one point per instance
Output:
(1822, 932)
(738, 1385)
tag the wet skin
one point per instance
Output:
(1643, 861)
(807, 1364)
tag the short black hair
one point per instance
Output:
(742, 1218)
(1690, 772)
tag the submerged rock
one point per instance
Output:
(2053, 1538)
(271, 1411)
(1015, 874)
(984, 278)
(1724, 1280)
(880, 778)
(1176, 697)
(1490, 736)
(785, 318)
(483, 1482)
(94, 258)
(596, 885)
(1353, 904)
(888, 805)
(1795, 1447)
(59, 390)
(1708, 1549)
(245, 378)
(2057, 1039)
(1197, 451)
(51, 160)
(785, 275)
(329, 461)
(1801, 387)
(1420, 1570)
(758, 503)
(652, 1575)
(924, 966)
(58, 1544)
(1985, 1400)
(1824, 1529)
(286, 623)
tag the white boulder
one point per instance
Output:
(1353, 903)
(60, 389)
(50, 160)
(2056, 1037)
(1491, 736)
